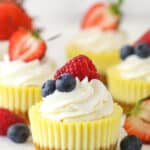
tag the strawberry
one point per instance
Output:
(145, 38)
(12, 17)
(138, 121)
(26, 46)
(80, 66)
(105, 16)
(8, 118)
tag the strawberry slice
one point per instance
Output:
(145, 38)
(102, 15)
(26, 46)
(138, 127)
(138, 121)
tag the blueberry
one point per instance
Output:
(142, 50)
(131, 142)
(48, 87)
(18, 133)
(65, 83)
(126, 51)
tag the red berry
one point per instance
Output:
(138, 122)
(101, 16)
(80, 66)
(138, 127)
(12, 17)
(145, 38)
(26, 46)
(8, 118)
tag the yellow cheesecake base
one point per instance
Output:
(19, 99)
(100, 134)
(127, 92)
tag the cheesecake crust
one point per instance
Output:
(127, 107)
(37, 147)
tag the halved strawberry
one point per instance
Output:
(138, 121)
(26, 46)
(136, 126)
(145, 38)
(102, 15)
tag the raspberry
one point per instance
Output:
(8, 118)
(80, 66)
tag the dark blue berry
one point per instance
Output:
(65, 83)
(126, 51)
(131, 142)
(18, 133)
(48, 87)
(142, 50)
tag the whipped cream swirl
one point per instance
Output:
(88, 101)
(19, 73)
(134, 67)
(96, 40)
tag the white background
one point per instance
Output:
(64, 16)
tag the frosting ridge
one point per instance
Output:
(88, 101)
(20, 73)
(96, 40)
(134, 67)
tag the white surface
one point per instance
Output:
(6, 144)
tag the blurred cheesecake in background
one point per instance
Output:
(100, 36)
